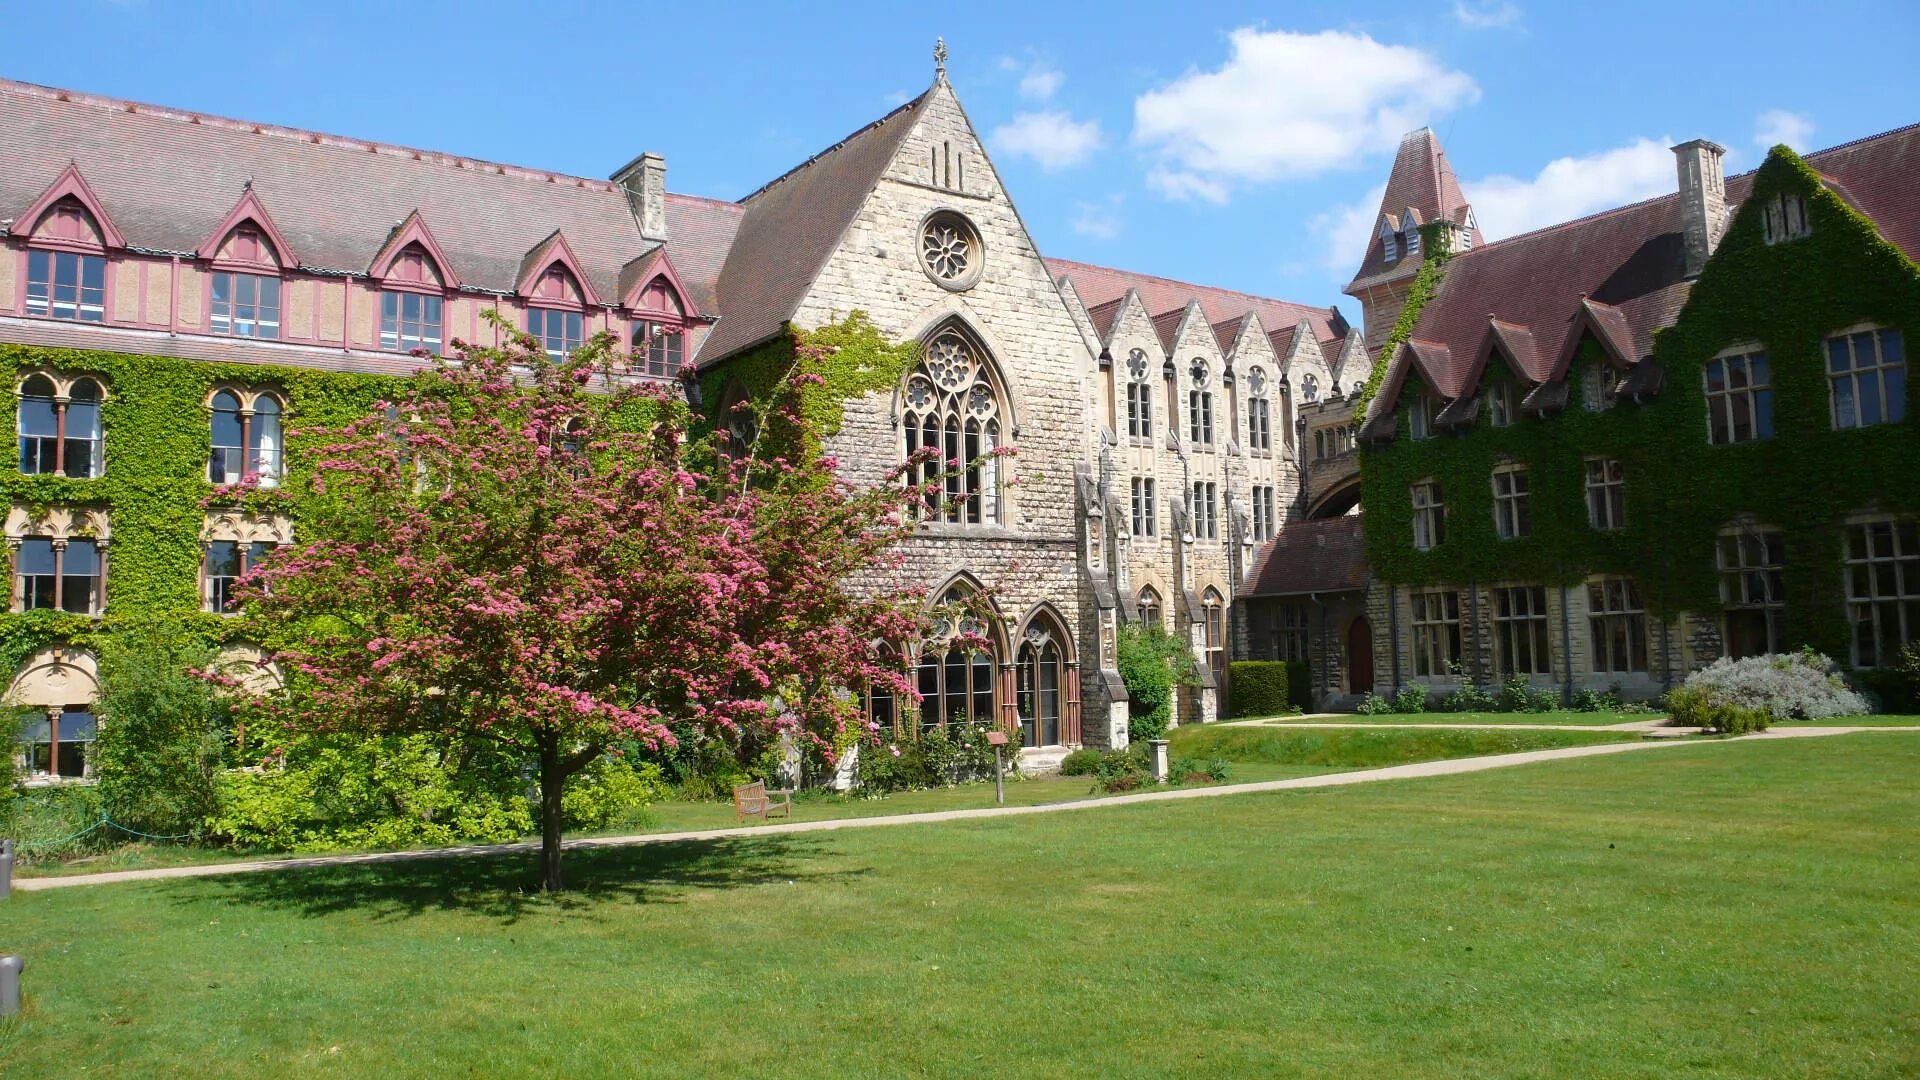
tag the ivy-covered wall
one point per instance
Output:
(1426, 281)
(156, 426)
(860, 360)
(1681, 491)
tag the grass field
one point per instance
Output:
(1496, 719)
(1738, 910)
(1368, 748)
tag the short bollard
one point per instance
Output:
(6, 869)
(999, 741)
(10, 965)
(1160, 769)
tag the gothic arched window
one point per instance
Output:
(957, 666)
(1259, 412)
(1139, 398)
(953, 408)
(1200, 407)
(1215, 617)
(1041, 674)
(1150, 607)
(245, 431)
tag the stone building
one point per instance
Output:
(236, 279)
(1608, 452)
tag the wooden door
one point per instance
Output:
(1359, 656)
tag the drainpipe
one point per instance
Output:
(1320, 677)
(1566, 647)
(346, 314)
(173, 297)
(1393, 631)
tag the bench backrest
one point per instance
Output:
(751, 798)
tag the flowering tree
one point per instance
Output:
(530, 551)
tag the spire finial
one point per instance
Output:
(940, 56)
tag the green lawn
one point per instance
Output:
(1496, 719)
(1738, 910)
(1369, 747)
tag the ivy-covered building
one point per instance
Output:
(1605, 453)
(182, 294)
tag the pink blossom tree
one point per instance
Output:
(532, 551)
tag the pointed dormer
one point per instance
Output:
(1421, 190)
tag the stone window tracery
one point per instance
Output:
(1139, 398)
(1259, 412)
(950, 250)
(953, 408)
(1200, 407)
(59, 559)
(58, 424)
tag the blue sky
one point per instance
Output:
(1233, 144)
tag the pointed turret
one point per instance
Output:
(1421, 189)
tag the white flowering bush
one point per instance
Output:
(1781, 686)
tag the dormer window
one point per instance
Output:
(244, 305)
(1785, 218)
(1412, 239)
(659, 332)
(1389, 240)
(1498, 400)
(554, 313)
(69, 283)
(1419, 417)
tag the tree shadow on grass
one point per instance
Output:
(506, 885)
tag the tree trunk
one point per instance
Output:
(553, 780)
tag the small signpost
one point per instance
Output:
(10, 965)
(999, 741)
(1160, 769)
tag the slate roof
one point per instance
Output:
(790, 226)
(1618, 274)
(1322, 555)
(167, 177)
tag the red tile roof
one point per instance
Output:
(1619, 274)
(1311, 556)
(1100, 285)
(1423, 181)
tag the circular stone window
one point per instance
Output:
(950, 250)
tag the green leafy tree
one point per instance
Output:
(1154, 665)
(164, 727)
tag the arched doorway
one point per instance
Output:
(1047, 683)
(1359, 656)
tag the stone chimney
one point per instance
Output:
(1703, 199)
(644, 179)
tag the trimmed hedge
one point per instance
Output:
(1259, 687)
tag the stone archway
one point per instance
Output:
(63, 683)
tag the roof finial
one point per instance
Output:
(247, 185)
(940, 57)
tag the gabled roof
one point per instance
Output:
(554, 249)
(792, 225)
(168, 177)
(1103, 316)
(411, 230)
(1322, 555)
(1618, 275)
(1099, 285)
(1167, 325)
(70, 184)
(248, 208)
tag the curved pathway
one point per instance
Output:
(1325, 780)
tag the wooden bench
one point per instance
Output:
(754, 800)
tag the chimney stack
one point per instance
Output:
(1703, 199)
(644, 179)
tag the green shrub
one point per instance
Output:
(1410, 699)
(1375, 705)
(1123, 770)
(611, 790)
(1154, 665)
(1517, 694)
(163, 735)
(1081, 762)
(342, 791)
(940, 757)
(1899, 688)
(1590, 700)
(45, 820)
(1694, 706)
(1259, 687)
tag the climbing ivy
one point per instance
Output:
(858, 359)
(1426, 281)
(1681, 492)
(154, 486)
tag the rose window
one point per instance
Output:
(950, 250)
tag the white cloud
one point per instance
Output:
(1564, 189)
(1776, 126)
(1054, 139)
(1039, 81)
(1100, 220)
(1272, 111)
(1486, 14)
(1344, 230)
(1571, 187)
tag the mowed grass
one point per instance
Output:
(1559, 717)
(1731, 909)
(1369, 747)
